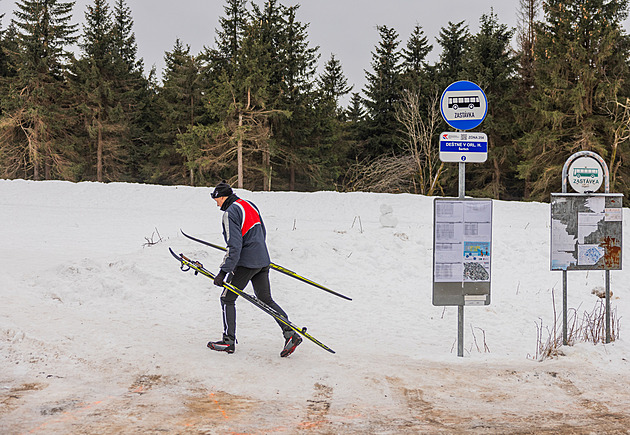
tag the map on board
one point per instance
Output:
(586, 231)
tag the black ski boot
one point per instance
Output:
(293, 340)
(225, 345)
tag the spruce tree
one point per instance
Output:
(332, 137)
(181, 106)
(238, 137)
(414, 61)
(355, 112)
(123, 37)
(91, 84)
(354, 125)
(581, 74)
(383, 93)
(5, 69)
(417, 75)
(236, 91)
(107, 85)
(268, 26)
(36, 139)
(296, 95)
(133, 90)
(453, 39)
(492, 65)
(333, 85)
(7, 45)
(229, 36)
(273, 78)
(526, 38)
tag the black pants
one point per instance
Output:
(239, 279)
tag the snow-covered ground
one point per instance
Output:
(100, 331)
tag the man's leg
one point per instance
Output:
(239, 279)
(262, 289)
(228, 308)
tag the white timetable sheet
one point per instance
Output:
(462, 240)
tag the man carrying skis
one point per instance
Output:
(247, 259)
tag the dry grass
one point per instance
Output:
(588, 327)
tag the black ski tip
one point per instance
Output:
(187, 235)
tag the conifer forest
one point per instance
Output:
(261, 108)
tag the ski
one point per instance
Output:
(277, 267)
(187, 264)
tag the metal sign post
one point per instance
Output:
(460, 308)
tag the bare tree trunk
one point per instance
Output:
(33, 144)
(418, 144)
(435, 180)
(99, 150)
(526, 37)
(266, 167)
(192, 111)
(239, 152)
(497, 178)
(48, 166)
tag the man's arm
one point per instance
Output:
(233, 238)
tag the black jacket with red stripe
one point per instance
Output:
(244, 233)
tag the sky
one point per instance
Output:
(101, 332)
(345, 28)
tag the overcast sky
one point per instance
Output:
(345, 28)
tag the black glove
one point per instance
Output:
(218, 280)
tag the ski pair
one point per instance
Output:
(277, 267)
(188, 264)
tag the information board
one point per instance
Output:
(586, 231)
(462, 251)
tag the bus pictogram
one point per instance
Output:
(467, 101)
(585, 172)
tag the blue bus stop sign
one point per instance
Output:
(464, 105)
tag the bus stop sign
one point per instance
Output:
(585, 174)
(464, 105)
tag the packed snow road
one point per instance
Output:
(390, 395)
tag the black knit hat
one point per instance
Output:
(222, 189)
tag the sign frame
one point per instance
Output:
(464, 292)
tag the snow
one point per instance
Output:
(100, 331)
